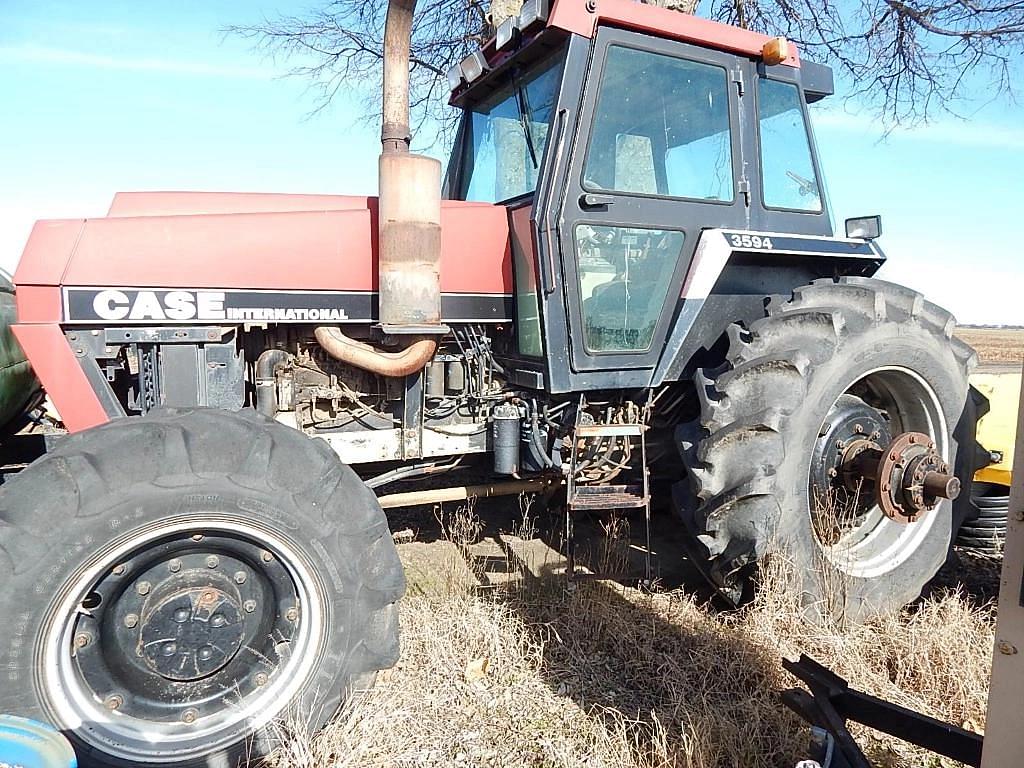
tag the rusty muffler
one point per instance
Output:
(408, 225)
(409, 217)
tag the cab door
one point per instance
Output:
(657, 158)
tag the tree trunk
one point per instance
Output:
(502, 9)
(683, 6)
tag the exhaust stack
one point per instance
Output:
(409, 216)
(408, 226)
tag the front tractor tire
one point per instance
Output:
(177, 586)
(839, 367)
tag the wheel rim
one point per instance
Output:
(849, 528)
(182, 638)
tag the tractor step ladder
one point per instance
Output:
(582, 497)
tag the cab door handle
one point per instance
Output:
(590, 201)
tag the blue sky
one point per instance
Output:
(105, 96)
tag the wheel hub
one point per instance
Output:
(905, 479)
(164, 641)
(911, 477)
(192, 633)
(852, 427)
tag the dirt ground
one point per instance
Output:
(505, 663)
(995, 346)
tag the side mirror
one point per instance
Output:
(864, 227)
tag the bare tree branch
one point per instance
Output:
(907, 59)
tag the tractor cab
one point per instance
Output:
(616, 133)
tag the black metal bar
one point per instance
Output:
(412, 417)
(832, 692)
(934, 735)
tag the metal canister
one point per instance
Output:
(505, 431)
(29, 744)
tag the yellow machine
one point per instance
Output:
(996, 429)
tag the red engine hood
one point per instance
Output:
(265, 245)
(247, 241)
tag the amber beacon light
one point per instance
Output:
(775, 51)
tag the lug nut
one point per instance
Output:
(239, 577)
(113, 702)
(143, 587)
(174, 565)
(169, 649)
(261, 679)
(266, 556)
(249, 606)
(131, 620)
(292, 614)
(82, 639)
(197, 537)
(189, 716)
(119, 570)
(212, 561)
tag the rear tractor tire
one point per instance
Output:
(176, 586)
(839, 367)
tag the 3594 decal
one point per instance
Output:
(750, 241)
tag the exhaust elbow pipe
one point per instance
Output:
(408, 224)
(409, 360)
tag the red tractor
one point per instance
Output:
(631, 282)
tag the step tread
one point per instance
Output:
(608, 497)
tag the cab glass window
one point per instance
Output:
(788, 179)
(661, 128)
(507, 134)
(625, 274)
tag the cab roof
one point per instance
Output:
(542, 24)
(582, 17)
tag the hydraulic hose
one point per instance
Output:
(394, 364)
(535, 436)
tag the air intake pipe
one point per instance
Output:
(408, 225)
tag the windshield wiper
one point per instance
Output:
(525, 119)
(806, 186)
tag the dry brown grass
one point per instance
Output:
(997, 346)
(601, 675)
